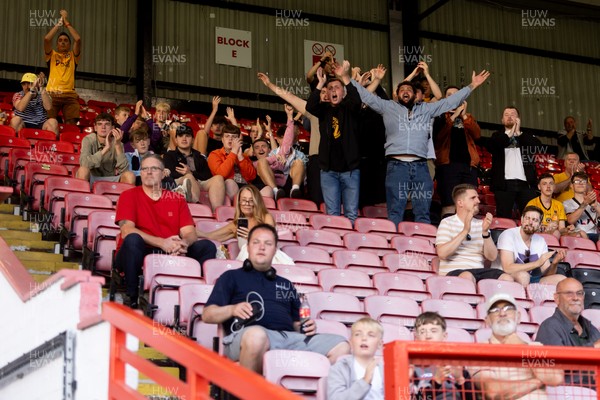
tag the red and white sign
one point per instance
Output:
(313, 51)
(233, 47)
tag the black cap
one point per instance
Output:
(184, 130)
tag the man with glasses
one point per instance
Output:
(525, 256)
(582, 208)
(510, 382)
(154, 220)
(562, 189)
(567, 327)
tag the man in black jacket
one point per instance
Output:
(513, 164)
(339, 155)
(188, 165)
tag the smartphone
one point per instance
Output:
(243, 223)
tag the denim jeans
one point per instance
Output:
(408, 180)
(341, 187)
(130, 258)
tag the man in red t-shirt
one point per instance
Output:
(153, 220)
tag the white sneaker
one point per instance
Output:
(185, 189)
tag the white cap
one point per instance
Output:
(500, 297)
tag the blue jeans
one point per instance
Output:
(406, 180)
(130, 258)
(341, 187)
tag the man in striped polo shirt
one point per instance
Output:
(462, 242)
(31, 104)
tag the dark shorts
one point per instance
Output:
(479, 273)
(68, 103)
(33, 126)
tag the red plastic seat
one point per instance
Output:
(417, 229)
(541, 293)
(414, 245)
(53, 146)
(200, 212)
(577, 243)
(270, 203)
(346, 281)
(63, 128)
(297, 371)
(392, 332)
(453, 288)
(502, 223)
(163, 275)
(333, 223)
(538, 314)
(192, 298)
(393, 310)
(458, 314)
(374, 212)
(17, 159)
(341, 307)
(75, 138)
(100, 241)
(54, 192)
(489, 287)
(290, 220)
(112, 190)
(7, 131)
(288, 204)
(303, 279)
(400, 285)
(370, 242)
(358, 260)
(224, 213)
(593, 315)
(458, 335)
(551, 240)
(311, 258)
(408, 263)
(325, 240)
(71, 161)
(33, 182)
(213, 269)
(332, 327)
(77, 208)
(103, 106)
(583, 257)
(378, 226)
(33, 135)
(6, 144)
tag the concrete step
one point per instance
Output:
(21, 235)
(29, 245)
(38, 256)
(16, 224)
(48, 266)
(151, 354)
(148, 388)
(7, 208)
(40, 276)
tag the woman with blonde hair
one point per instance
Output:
(250, 210)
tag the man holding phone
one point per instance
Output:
(583, 209)
(525, 256)
(102, 156)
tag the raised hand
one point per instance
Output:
(321, 77)
(424, 67)
(289, 111)
(379, 72)
(363, 79)
(117, 134)
(215, 102)
(138, 107)
(477, 80)
(264, 78)
(464, 108)
(230, 116)
(487, 222)
(268, 125)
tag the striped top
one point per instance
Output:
(469, 254)
(34, 113)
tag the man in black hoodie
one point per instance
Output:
(187, 163)
(339, 155)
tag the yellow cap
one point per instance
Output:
(28, 77)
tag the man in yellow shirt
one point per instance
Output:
(62, 63)
(563, 190)
(554, 218)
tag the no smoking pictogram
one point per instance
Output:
(330, 49)
(317, 49)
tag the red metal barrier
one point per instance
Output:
(399, 356)
(202, 366)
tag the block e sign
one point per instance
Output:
(233, 47)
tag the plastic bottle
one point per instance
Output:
(304, 312)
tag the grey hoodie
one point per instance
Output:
(342, 382)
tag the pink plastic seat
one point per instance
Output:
(348, 281)
(297, 371)
(453, 288)
(359, 261)
(368, 242)
(392, 310)
(401, 285)
(309, 257)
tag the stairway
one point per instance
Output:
(43, 258)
